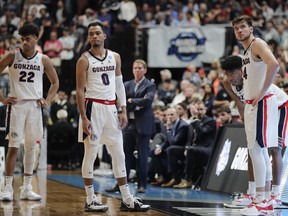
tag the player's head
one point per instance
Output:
(29, 29)
(96, 35)
(29, 35)
(243, 27)
(232, 67)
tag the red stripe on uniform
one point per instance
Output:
(285, 124)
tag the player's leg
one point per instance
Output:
(14, 129)
(112, 136)
(33, 132)
(93, 204)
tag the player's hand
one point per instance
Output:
(123, 119)
(42, 103)
(9, 100)
(256, 100)
(87, 127)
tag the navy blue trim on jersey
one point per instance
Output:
(281, 122)
(26, 57)
(8, 117)
(259, 126)
(106, 54)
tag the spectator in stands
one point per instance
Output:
(222, 98)
(61, 136)
(191, 75)
(182, 112)
(180, 97)
(52, 49)
(127, 11)
(190, 92)
(202, 131)
(10, 17)
(165, 75)
(176, 133)
(270, 32)
(279, 80)
(60, 103)
(67, 76)
(225, 116)
(208, 98)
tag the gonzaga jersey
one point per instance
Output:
(254, 73)
(100, 81)
(26, 76)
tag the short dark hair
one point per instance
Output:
(243, 18)
(96, 23)
(29, 29)
(232, 63)
(224, 109)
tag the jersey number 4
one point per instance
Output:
(26, 76)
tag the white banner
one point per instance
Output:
(177, 47)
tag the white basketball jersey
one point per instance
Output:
(281, 96)
(26, 76)
(100, 81)
(254, 73)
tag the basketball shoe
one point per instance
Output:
(7, 194)
(26, 193)
(245, 200)
(277, 203)
(135, 205)
(261, 208)
(95, 205)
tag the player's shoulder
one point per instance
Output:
(259, 42)
(113, 53)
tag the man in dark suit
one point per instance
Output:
(176, 133)
(136, 136)
(202, 131)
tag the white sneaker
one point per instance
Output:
(134, 205)
(277, 203)
(26, 193)
(262, 208)
(95, 205)
(7, 194)
(245, 200)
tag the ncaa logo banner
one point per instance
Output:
(176, 47)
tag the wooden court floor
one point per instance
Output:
(59, 199)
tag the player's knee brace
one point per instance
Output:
(118, 165)
(259, 165)
(89, 159)
(268, 165)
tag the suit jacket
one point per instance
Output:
(202, 132)
(177, 136)
(141, 104)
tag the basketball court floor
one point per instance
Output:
(63, 194)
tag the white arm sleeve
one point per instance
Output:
(120, 90)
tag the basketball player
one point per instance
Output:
(24, 115)
(99, 78)
(234, 86)
(259, 67)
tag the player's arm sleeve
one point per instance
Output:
(120, 90)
